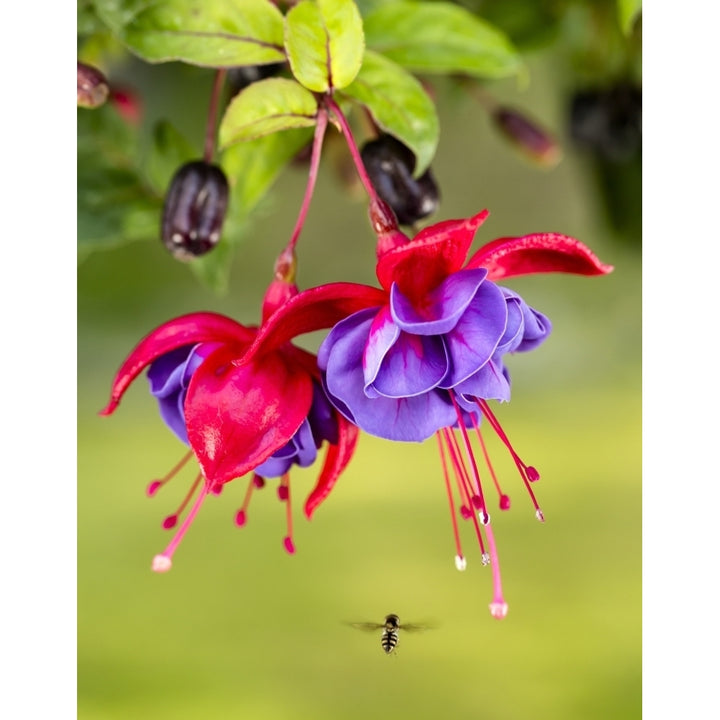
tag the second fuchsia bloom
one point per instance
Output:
(423, 357)
(258, 417)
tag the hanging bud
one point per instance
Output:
(92, 87)
(529, 137)
(194, 209)
(390, 165)
(238, 78)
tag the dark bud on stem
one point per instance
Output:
(608, 121)
(92, 87)
(238, 78)
(526, 135)
(194, 209)
(390, 165)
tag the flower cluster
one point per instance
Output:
(421, 354)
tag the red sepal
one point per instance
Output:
(237, 417)
(434, 253)
(336, 459)
(540, 252)
(184, 330)
(314, 309)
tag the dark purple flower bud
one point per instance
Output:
(92, 87)
(238, 78)
(194, 209)
(608, 121)
(527, 135)
(390, 166)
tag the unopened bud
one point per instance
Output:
(92, 87)
(194, 210)
(528, 136)
(390, 166)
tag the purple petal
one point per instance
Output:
(476, 336)
(381, 337)
(299, 450)
(411, 419)
(322, 418)
(412, 366)
(169, 377)
(534, 326)
(441, 308)
(488, 383)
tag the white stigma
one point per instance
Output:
(161, 563)
(539, 515)
(486, 558)
(498, 610)
(460, 562)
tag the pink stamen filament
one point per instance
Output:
(471, 461)
(285, 496)
(526, 472)
(456, 533)
(155, 485)
(462, 480)
(171, 520)
(163, 561)
(504, 499)
(352, 146)
(241, 515)
(498, 606)
(320, 126)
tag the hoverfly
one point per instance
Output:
(390, 629)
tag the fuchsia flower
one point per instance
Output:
(423, 356)
(259, 416)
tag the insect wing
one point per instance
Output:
(415, 627)
(367, 626)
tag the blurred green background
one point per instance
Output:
(240, 629)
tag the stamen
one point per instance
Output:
(462, 482)
(504, 499)
(284, 494)
(482, 507)
(163, 561)
(498, 606)
(459, 559)
(527, 472)
(155, 485)
(171, 520)
(241, 516)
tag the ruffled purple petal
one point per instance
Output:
(441, 308)
(413, 365)
(322, 418)
(411, 419)
(534, 326)
(382, 335)
(169, 377)
(476, 336)
(488, 383)
(299, 450)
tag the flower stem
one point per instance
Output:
(210, 131)
(352, 146)
(320, 127)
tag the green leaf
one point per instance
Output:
(265, 107)
(439, 37)
(252, 167)
(628, 12)
(210, 33)
(324, 43)
(399, 105)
